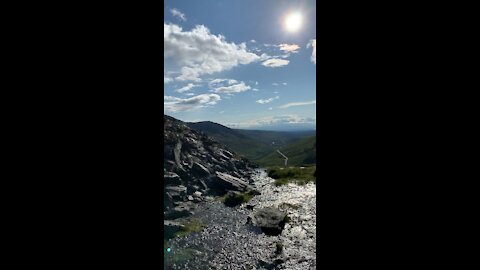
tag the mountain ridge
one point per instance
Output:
(252, 144)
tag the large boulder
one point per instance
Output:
(227, 182)
(270, 220)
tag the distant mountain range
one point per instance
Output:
(261, 146)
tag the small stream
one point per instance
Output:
(227, 242)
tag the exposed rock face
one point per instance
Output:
(196, 165)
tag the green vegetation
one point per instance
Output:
(300, 153)
(296, 175)
(238, 198)
(190, 226)
(252, 144)
(278, 247)
(179, 256)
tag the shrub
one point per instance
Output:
(292, 174)
(191, 226)
(234, 200)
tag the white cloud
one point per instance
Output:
(270, 108)
(197, 52)
(289, 47)
(297, 104)
(313, 43)
(255, 89)
(256, 83)
(275, 62)
(189, 94)
(217, 82)
(167, 79)
(175, 12)
(265, 101)
(275, 92)
(186, 88)
(253, 41)
(175, 104)
(273, 120)
(284, 83)
(235, 88)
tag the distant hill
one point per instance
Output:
(252, 144)
(301, 152)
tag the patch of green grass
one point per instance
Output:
(179, 256)
(190, 226)
(296, 175)
(237, 199)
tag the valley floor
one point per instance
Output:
(227, 242)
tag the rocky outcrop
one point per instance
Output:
(225, 181)
(195, 165)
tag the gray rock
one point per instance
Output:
(176, 154)
(182, 210)
(205, 187)
(270, 220)
(228, 182)
(171, 179)
(199, 169)
(176, 192)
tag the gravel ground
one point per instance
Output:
(227, 242)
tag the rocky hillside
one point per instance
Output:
(195, 167)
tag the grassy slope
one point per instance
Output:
(301, 152)
(252, 144)
(297, 175)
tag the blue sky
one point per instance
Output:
(236, 63)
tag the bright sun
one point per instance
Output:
(293, 21)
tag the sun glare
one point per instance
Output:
(293, 21)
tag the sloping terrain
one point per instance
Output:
(252, 144)
(301, 152)
(195, 165)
